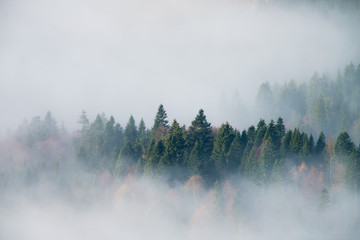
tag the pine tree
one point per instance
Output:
(175, 144)
(353, 172)
(280, 128)
(195, 162)
(278, 174)
(152, 167)
(272, 135)
(131, 131)
(161, 125)
(222, 143)
(235, 153)
(200, 131)
(50, 126)
(285, 145)
(125, 160)
(260, 132)
(311, 144)
(267, 157)
(305, 149)
(143, 134)
(109, 138)
(295, 142)
(84, 121)
(343, 146)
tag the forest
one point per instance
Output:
(240, 169)
(324, 103)
(264, 153)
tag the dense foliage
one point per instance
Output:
(322, 104)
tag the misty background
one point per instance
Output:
(126, 57)
(61, 178)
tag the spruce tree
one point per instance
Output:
(353, 172)
(267, 158)
(175, 144)
(160, 127)
(235, 154)
(343, 146)
(200, 131)
(194, 164)
(285, 145)
(143, 134)
(84, 121)
(320, 144)
(223, 140)
(131, 131)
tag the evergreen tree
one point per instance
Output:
(195, 162)
(50, 126)
(131, 131)
(278, 174)
(223, 140)
(272, 135)
(143, 134)
(160, 126)
(84, 121)
(152, 167)
(235, 153)
(280, 128)
(311, 144)
(251, 134)
(320, 144)
(125, 160)
(200, 131)
(343, 145)
(267, 158)
(295, 142)
(109, 138)
(260, 132)
(353, 172)
(305, 149)
(285, 145)
(175, 144)
(119, 140)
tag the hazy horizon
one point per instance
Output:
(127, 57)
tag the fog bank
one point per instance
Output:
(126, 57)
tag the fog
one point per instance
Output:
(127, 57)
(148, 209)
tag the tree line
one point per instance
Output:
(327, 104)
(264, 154)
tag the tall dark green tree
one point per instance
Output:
(143, 134)
(223, 140)
(125, 160)
(295, 142)
(155, 163)
(175, 145)
(260, 132)
(131, 131)
(161, 125)
(235, 153)
(200, 131)
(343, 146)
(353, 172)
(194, 164)
(285, 145)
(267, 158)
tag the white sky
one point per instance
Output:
(127, 56)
